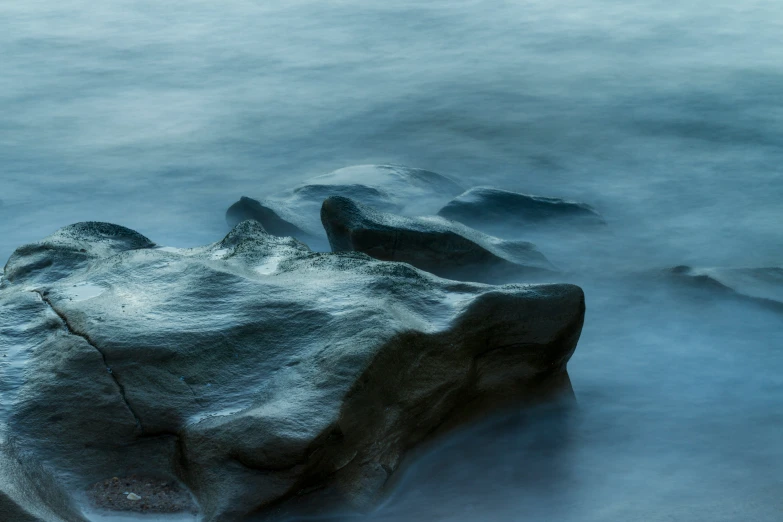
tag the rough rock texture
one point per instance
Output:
(491, 209)
(762, 285)
(28, 492)
(253, 371)
(434, 244)
(391, 188)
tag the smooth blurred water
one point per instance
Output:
(667, 118)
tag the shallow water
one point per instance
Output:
(667, 118)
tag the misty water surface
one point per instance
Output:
(667, 118)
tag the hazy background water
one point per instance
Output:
(157, 115)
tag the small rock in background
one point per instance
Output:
(489, 209)
(133, 496)
(439, 246)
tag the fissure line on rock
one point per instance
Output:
(87, 339)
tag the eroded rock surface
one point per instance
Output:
(493, 209)
(391, 188)
(254, 371)
(434, 244)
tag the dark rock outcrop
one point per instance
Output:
(492, 209)
(442, 247)
(254, 371)
(391, 188)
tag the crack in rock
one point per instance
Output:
(89, 341)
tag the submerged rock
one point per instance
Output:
(249, 208)
(762, 285)
(391, 188)
(434, 244)
(489, 208)
(253, 370)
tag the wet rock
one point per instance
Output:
(763, 285)
(28, 491)
(434, 244)
(493, 209)
(254, 371)
(391, 188)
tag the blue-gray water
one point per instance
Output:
(667, 118)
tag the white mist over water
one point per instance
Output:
(667, 118)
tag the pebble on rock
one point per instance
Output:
(141, 494)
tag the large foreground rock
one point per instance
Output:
(493, 209)
(434, 244)
(254, 371)
(391, 188)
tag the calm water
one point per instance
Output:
(667, 118)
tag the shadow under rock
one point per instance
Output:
(514, 453)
